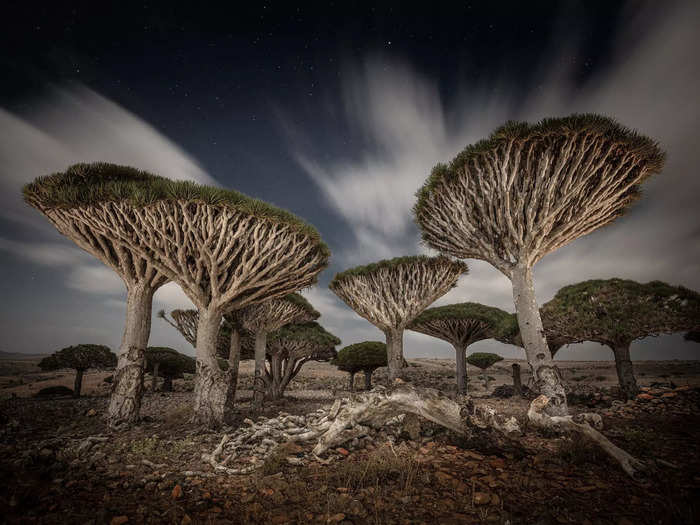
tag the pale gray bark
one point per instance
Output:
(546, 376)
(394, 347)
(127, 387)
(258, 382)
(212, 385)
(625, 371)
(461, 358)
(234, 360)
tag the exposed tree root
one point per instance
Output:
(374, 408)
(584, 424)
(472, 422)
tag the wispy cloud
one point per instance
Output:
(651, 84)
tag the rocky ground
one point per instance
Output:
(60, 464)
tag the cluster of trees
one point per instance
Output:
(225, 250)
(524, 192)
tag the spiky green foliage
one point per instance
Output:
(80, 357)
(90, 184)
(392, 263)
(483, 360)
(364, 356)
(616, 312)
(626, 138)
(299, 300)
(312, 333)
(171, 363)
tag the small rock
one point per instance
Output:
(177, 492)
(90, 413)
(342, 451)
(336, 518)
(186, 520)
(481, 498)
(118, 520)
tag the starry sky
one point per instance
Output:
(335, 111)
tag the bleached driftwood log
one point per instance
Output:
(376, 407)
(586, 425)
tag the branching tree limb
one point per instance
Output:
(391, 293)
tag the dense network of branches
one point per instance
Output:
(530, 189)
(462, 324)
(290, 347)
(186, 321)
(275, 313)
(391, 293)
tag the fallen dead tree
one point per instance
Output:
(378, 416)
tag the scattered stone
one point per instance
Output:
(92, 412)
(481, 498)
(177, 492)
(119, 520)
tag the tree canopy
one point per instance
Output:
(483, 360)
(80, 357)
(95, 183)
(465, 323)
(171, 363)
(367, 355)
(618, 311)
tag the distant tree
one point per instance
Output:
(169, 363)
(616, 312)
(80, 203)
(463, 324)
(392, 293)
(361, 357)
(80, 358)
(484, 361)
(268, 316)
(290, 347)
(526, 191)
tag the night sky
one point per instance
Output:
(336, 112)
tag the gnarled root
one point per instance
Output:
(587, 425)
(213, 460)
(374, 408)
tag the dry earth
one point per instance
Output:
(154, 472)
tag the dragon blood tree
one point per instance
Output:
(461, 325)
(526, 191)
(392, 293)
(71, 200)
(263, 318)
(80, 358)
(365, 357)
(225, 250)
(168, 363)
(232, 344)
(484, 360)
(616, 312)
(290, 347)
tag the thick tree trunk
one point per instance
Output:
(368, 379)
(212, 385)
(234, 361)
(258, 381)
(78, 384)
(154, 381)
(394, 347)
(461, 357)
(351, 382)
(517, 381)
(167, 384)
(127, 387)
(546, 376)
(275, 388)
(625, 372)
